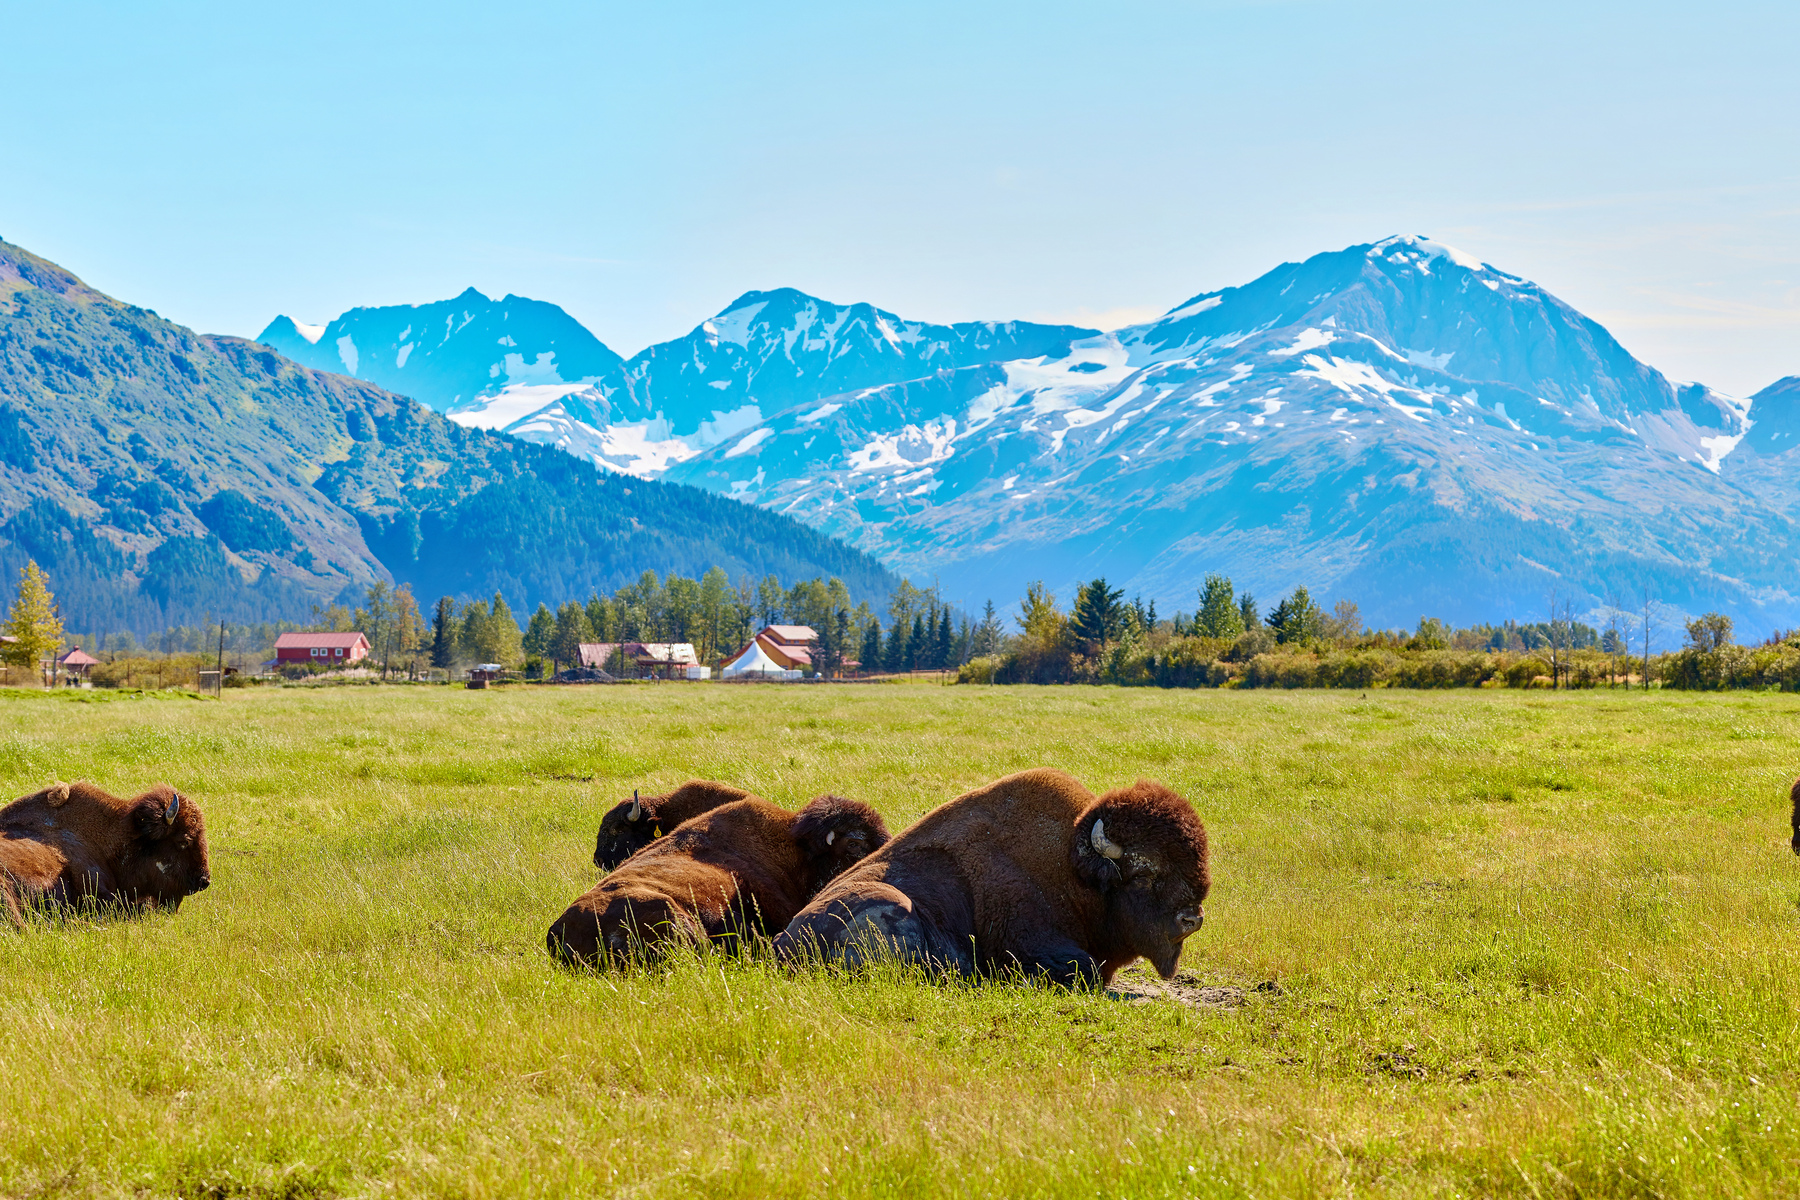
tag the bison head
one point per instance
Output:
(627, 827)
(835, 834)
(1144, 848)
(165, 859)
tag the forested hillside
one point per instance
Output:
(164, 477)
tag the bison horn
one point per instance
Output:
(174, 809)
(831, 837)
(637, 808)
(1106, 848)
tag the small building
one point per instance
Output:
(485, 673)
(75, 663)
(320, 649)
(665, 659)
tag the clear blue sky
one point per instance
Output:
(643, 164)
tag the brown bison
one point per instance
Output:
(1029, 873)
(1795, 794)
(743, 868)
(630, 825)
(74, 842)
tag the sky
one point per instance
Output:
(643, 165)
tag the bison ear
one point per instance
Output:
(56, 795)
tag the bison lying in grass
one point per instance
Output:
(75, 842)
(630, 825)
(1030, 873)
(745, 867)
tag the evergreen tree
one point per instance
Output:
(443, 634)
(471, 634)
(916, 643)
(539, 632)
(894, 659)
(570, 631)
(944, 636)
(871, 646)
(1297, 619)
(828, 652)
(34, 623)
(1247, 612)
(503, 634)
(769, 599)
(1219, 616)
(1099, 615)
(986, 637)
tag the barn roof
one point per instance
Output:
(791, 634)
(320, 641)
(77, 657)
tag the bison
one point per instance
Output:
(75, 842)
(1795, 794)
(1029, 874)
(630, 825)
(743, 868)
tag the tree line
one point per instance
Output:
(1231, 641)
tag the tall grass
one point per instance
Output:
(1507, 943)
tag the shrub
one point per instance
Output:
(979, 670)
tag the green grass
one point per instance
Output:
(1521, 944)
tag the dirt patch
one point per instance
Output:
(1139, 986)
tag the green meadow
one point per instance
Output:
(1469, 943)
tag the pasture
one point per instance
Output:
(1465, 943)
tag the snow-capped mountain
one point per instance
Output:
(511, 356)
(765, 352)
(1395, 423)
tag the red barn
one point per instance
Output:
(324, 649)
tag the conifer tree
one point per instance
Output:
(571, 630)
(33, 623)
(536, 642)
(443, 634)
(871, 646)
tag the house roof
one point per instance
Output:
(596, 654)
(77, 657)
(790, 634)
(318, 641)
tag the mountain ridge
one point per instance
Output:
(166, 476)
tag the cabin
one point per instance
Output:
(665, 660)
(320, 649)
(75, 663)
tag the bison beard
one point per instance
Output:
(745, 867)
(630, 825)
(75, 843)
(1030, 874)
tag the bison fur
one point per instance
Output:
(1029, 874)
(630, 825)
(71, 844)
(741, 869)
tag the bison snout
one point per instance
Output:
(1188, 920)
(200, 884)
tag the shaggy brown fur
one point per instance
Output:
(76, 842)
(1008, 877)
(743, 868)
(1795, 795)
(621, 837)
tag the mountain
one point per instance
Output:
(1395, 423)
(164, 477)
(512, 354)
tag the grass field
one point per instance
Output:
(1509, 944)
